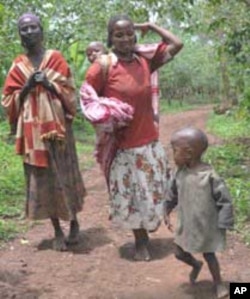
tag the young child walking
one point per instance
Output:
(204, 206)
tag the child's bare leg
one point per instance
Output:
(187, 258)
(73, 237)
(214, 269)
(141, 244)
(59, 241)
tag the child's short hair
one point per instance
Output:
(195, 137)
(97, 43)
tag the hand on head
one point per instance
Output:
(143, 27)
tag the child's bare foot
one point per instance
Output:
(73, 237)
(221, 291)
(142, 254)
(59, 243)
(195, 272)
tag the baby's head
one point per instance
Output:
(95, 49)
(188, 146)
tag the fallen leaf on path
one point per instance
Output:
(152, 279)
(24, 241)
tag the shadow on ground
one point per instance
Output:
(88, 241)
(159, 249)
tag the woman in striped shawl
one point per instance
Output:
(39, 98)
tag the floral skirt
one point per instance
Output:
(138, 186)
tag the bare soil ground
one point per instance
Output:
(101, 265)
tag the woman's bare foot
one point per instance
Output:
(59, 243)
(142, 254)
(195, 272)
(221, 291)
(73, 237)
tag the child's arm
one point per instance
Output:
(170, 203)
(223, 201)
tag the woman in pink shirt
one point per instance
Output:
(137, 177)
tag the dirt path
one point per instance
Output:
(100, 267)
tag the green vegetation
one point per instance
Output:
(214, 64)
(175, 106)
(11, 187)
(232, 161)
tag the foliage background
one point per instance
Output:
(214, 64)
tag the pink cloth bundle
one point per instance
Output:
(107, 115)
(99, 110)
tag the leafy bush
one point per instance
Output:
(232, 162)
(8, 230)
(11, 180)
(11, 186)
